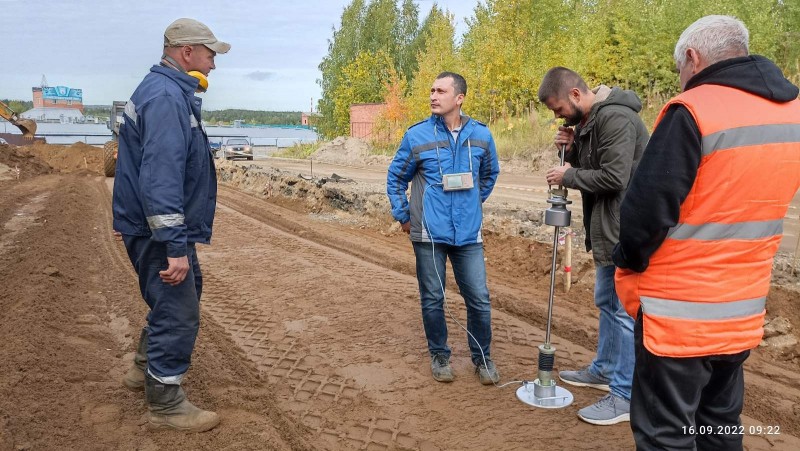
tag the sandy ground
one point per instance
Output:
(311, 336)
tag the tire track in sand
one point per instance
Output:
(341, 339)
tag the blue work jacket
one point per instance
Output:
(165, 184)
(427, 152)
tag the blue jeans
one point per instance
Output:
(615, 353)
(470, 273)
(174, 317)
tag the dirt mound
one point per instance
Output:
(320, 195)
(343, 150)
(18, 164)
(72, 158)
(537, 163)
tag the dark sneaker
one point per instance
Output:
(440, 367)
(583, 378)
(608, 410)
(487, 373)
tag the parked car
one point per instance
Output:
(236, 148)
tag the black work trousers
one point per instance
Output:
(686, 403)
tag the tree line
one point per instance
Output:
(251, 117)
(227, 116)
(382, 52)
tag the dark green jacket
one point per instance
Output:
(604, 156)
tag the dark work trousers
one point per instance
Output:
(174, 317)
(686, 403)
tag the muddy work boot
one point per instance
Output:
(169, 409)
(440, 367)
(487, 372)
(134, 378)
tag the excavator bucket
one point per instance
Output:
(27, 126)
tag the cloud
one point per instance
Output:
(261, 75)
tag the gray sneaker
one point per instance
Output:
(583, 378)
(440, 367)
(487, 373)
(608, 410)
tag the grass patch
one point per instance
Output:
(523, 136)
(380, 148)
(530, 138)
(298, 151)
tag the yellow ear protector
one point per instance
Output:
(203, 85)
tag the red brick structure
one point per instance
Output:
(309, 119)
(363, 117)
(68, 99)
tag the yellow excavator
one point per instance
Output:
(27, 126)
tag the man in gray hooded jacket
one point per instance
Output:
(602, 153)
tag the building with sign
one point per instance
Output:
(58, 97)
(56, 104)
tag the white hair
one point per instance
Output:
(716, 38)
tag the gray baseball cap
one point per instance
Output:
(191, 32)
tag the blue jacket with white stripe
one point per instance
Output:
(427, 152)
(165, 185)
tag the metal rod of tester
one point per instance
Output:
(553, 266)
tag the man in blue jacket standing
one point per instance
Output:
(165, 194)
(452, 163)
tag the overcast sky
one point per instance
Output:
(105, 47)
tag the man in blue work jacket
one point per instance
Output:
(165, 194)
(452, 163)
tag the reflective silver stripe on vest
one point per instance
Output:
(751, 136)
(751, 230)
(701, 310)
(130, 111)
(161, 221)
(193, 121)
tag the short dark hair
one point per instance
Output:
(459, 83)
(558, 81)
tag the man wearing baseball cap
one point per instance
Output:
(165, 193)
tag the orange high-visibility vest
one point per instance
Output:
(705, 290)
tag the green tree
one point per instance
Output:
(379, 31)
(788, 52)
(342, 50)
(407, 28)
(395, 119)
(367, 77)
(510, 44)
(438, 55)
(379, 26)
